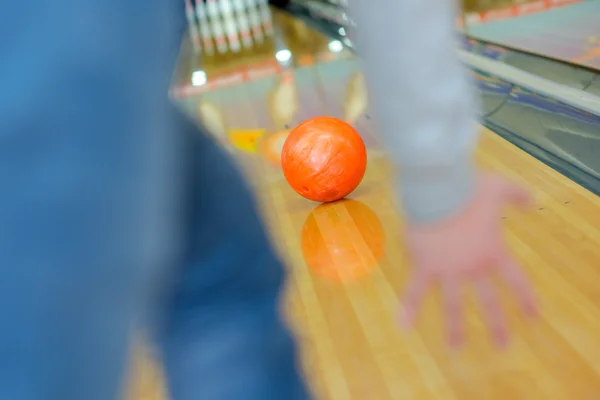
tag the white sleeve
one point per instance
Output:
(423, 100)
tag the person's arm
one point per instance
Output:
(426, 109)
(423, 101)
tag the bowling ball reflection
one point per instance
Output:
(342, 241)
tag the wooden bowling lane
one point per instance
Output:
(347, 267)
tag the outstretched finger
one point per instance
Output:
(413, 297)
(453, 311)
(492, 313)
(513, 275)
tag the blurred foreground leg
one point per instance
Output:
(224, 338)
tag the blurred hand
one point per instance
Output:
(469, 247)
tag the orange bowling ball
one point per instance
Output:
(324, 159)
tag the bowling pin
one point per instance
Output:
(284, 102)
(225, 7)
(218, 35)
(195, 37)
(232, 33)
(205, 29)
(239, 6)
(231, 29)
(265, 16)
(212, 9)
(201, 11)
(242, 21)
(255, 22)
(189, 12)
(206, 37)
(193, 28)
(216, 25)
(212, 118)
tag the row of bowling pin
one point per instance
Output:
(228, 24)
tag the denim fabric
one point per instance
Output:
(222, 337)
(117, 211)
